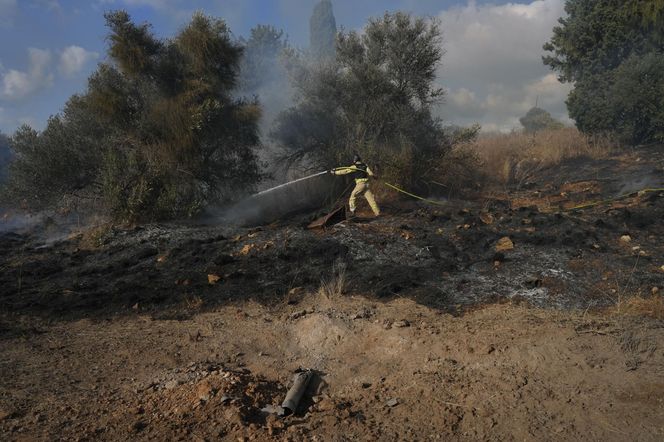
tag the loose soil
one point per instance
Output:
(423, 324)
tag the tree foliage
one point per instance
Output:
(603, 46)
(628, 100)
(261, 57)
(5, 156)
(537, 119)
(157, 134)
(323, 30)
(375, 98)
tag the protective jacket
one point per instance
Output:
(360, 171)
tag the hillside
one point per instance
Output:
(517, 315)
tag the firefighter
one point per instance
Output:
(361, 173)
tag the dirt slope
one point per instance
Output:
(431, 325)
(500, 373)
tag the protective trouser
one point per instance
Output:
(362, 188)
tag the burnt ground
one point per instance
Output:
(168, 331)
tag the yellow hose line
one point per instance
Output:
(392, 186)
(626, 195)
(582, 206)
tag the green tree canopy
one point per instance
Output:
(598, 46)
(538, 119)
(157, 134)
(375, 98)
(261, 57)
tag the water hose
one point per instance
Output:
(610, 200)
(438, 203)
(581, 206)
(392, 186)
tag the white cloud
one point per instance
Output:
(74, 58)
(50, 5)
(8, 10)
(19, 84)
(172, 7)
(493, 68)
(156, 4)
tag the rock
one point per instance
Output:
(532, 282)
(625, 238)
(401, 324)
(171, 384)
(486, 218)
(213, 279)
(297, 315)
(362, 314)
(654, 290)
(504, 244)
(296, 291)
(247, 248)
(662, 268)
(273, 409)
(326, 404)
(392, 402)
(233, 416)
(204, 392)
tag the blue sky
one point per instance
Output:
(492, 70)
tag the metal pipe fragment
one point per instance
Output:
(300, 382)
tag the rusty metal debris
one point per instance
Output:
(300, 382)
(336, 216)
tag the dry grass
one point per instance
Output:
(193, 302)
(334, 287)
(514, 158)
(92, 238)
(651, 307)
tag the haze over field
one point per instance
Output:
(492, 69)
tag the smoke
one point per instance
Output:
(46, 227)
(12, 222)
(285, 200)
(269, 66)
(264, 77)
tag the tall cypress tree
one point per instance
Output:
(5, 156)
(323, 30)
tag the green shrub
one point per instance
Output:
(158, 133)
